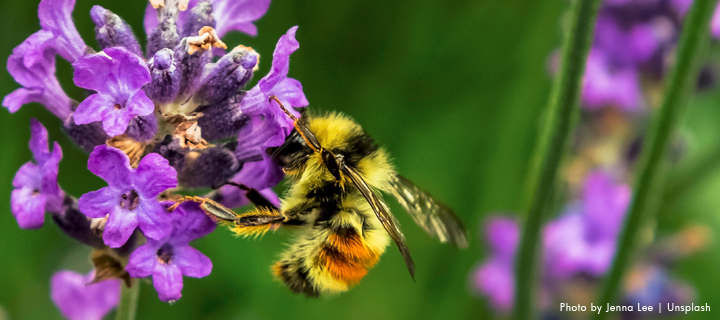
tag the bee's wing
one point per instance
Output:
(387, 220)
(436, 218)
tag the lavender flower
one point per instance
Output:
(603, 85)
(495, 277)
(228, 15)
(169, 258)
(118, 124)
(77, 299)
(117, 75)
(35, 70)
(36, 188)
(56, 19)
(129, 200)
(584, 241)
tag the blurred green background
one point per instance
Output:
(454, 89)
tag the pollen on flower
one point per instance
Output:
(207, 37)
(165, 254)
(130, 200)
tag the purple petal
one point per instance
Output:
(42, 47)
(79, 301)
(191, 262)
(129, 68)
(93, 109)
(38, 140)
(503, 235)
(605, 204)
(154, 175)
(168, 281)
(115, 122)
(601, 86)
(97, 204)
(93, 72)
(49, 169)
(139, 104)
(495, 280)
(565, 249)
(153, 220)
(238, 15)
(291, 92)
(143, 260)
(28, 176)
(281, 60)
(715, 23)
(189, 223)
(56, 16)
(261, 132)
(112, 165)
(150, 21)
(119, 227)
(28, 208)
(33, 66)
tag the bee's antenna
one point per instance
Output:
(273, 97)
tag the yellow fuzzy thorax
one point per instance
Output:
(333, 131)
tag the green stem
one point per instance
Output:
(680, 182)
(128, 301)
(560, 122)
(695, 35)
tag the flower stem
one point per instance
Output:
(560, 121)
(695, 36)
(128, 301)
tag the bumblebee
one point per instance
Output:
(336, 172)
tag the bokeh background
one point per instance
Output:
(454, 89)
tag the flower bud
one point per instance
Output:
(142, 128)
(190, 67)
(113, 31)
(210, 167)
(164, 36)
(166, 78)
(228, 75)
(87, 136)
(222, 120)
(200, 16)
(76, 225)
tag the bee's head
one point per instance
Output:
(331, 161)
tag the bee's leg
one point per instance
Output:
(255, 197)
(258, 222)
(213, 209)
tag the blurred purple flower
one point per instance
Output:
(117, 75)
(495, 278)
(604, 85)
(625, 46)
(130, 199)
(715, 23)
(229, 15)
(34, 70)
(585, 240)
(649, 284)
(169, 258)
(36, 188)
(78, 300)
